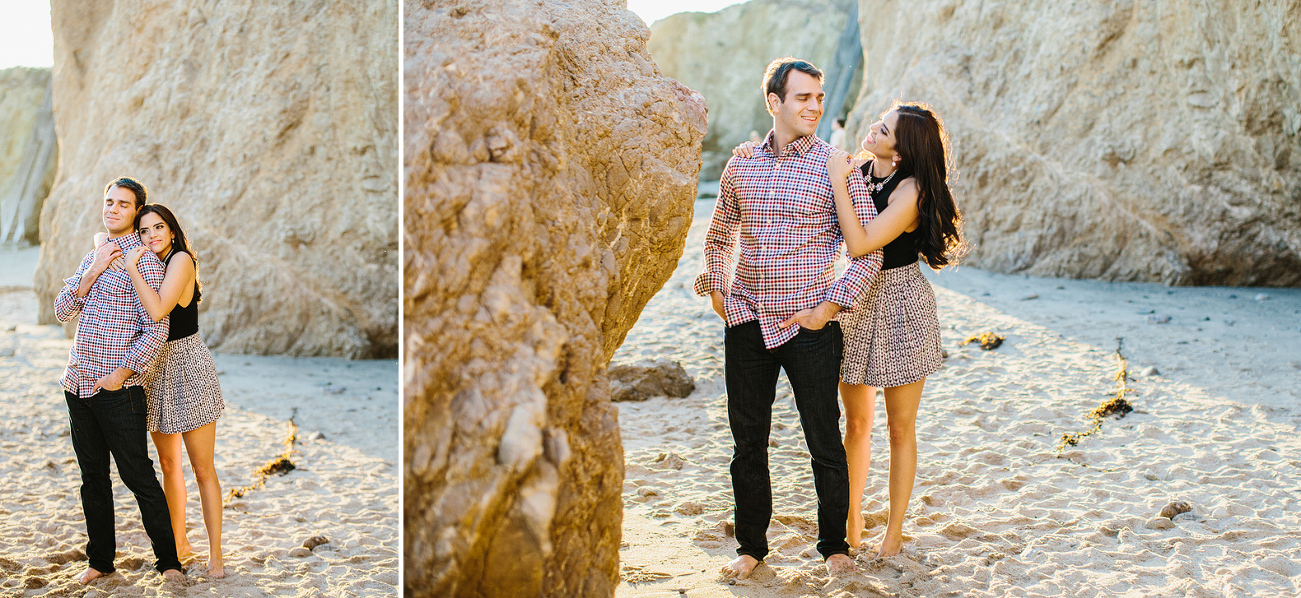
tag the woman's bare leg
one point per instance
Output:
(200, 443)
(169, 459)
(860, 408)
(901, 414)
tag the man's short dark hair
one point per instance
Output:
(840, 121)
(130, 184)
(779, 70)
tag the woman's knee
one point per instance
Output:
(204, 473)
(169, 463)
(903, 431)
(857, 427)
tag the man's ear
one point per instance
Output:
(773, 101)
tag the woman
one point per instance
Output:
(184, 396)
(892, 337)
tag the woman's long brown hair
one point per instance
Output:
(923, 147)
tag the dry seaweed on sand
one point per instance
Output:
(988, 340)
(1117, 405)
(280, 464)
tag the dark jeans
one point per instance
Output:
(113, 422)
(812, 364)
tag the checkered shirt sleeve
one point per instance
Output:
(862, 269)
(720, 240)
(67, 304)
(153, 334)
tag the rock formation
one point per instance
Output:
(28, 151)
(1123, 140)
(550, 176)
(270, 129)
(723, 56)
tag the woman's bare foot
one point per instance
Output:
(854, 531)
(89, 575)
(891, 544)
(216, 569)
(183, 548)
(840, 563)
(740, 568)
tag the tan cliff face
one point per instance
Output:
(550, 176)
(21, 92)
(723, 56)
(269, 129)
(1127, 140)
(28, 152)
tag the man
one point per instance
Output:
(838, 135)
(116, 339)
(780, 305)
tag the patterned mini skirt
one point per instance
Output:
(892, 337)
(182, 387)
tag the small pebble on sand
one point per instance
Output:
(1175, 508)
(1159, 523)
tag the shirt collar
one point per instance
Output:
(128, 240)
(800, 146)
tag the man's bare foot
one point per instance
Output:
(89, 575)
(741, 567)
(173, 575)
(840, 563)
(854, 531)
(216, 569)
(891, 544)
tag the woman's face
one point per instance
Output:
(155, 234)
(880, 136)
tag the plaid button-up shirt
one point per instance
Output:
(783, 212)
(115, 330)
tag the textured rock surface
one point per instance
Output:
(550, 172)
(28, 152)
(645, 379)
(270, 129)
(723, 55)
(1124, 140)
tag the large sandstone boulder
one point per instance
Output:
(550, 177)
(270, 129)
(1124, 140)
(723, 56)
(28, 151)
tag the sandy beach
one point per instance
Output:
(1215, 379)
(344, 486)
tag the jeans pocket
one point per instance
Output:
(105, 394)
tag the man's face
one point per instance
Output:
(119, 211)
(799, 114)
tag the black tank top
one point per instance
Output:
(184, 320)
(903, 249)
